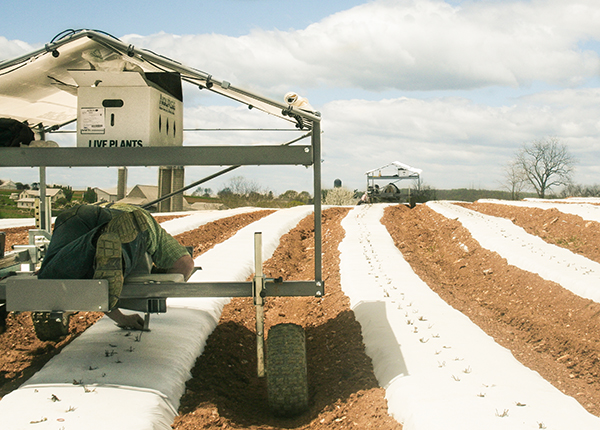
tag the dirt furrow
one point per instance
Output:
(555, 227)
(225, 391)
(23, 354)
(548, 328)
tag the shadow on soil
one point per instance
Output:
(225, 373)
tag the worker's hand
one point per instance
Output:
(129, 322)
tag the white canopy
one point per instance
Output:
(38, 88)
(400, 170)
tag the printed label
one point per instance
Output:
(92, 121)
(166, 104)
(114, 143)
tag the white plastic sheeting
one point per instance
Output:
(582, 207)
(193, 220)
(109, 379)
(574, 272)
(439, 369)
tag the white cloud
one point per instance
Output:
(455, 141)
(406, 44)
(13, 48)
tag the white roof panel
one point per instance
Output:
(38, 87)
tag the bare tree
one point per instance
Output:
(242, 186)
(545, 164)
(515, 180)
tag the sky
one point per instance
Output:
(454, 88)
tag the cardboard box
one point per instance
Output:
(128, 109)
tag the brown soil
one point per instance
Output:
(22, 354)
(567, 231)
(165, 218)
(546, 327)
(205, 237)
(225, 390)
(15, 236)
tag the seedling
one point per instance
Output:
(467, 370)
(503, 414)
(39, 421)
(456, 378)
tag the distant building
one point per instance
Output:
(108, 195)
(27, 198)
(7, 184)
(26, 203)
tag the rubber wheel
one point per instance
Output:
(287, 382)
(48, 328)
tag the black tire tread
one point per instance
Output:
(287, 382)
(48, 328)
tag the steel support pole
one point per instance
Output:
(259, 284)
(316, 144)
(43, 208)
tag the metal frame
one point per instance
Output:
(151, 296)
(158, 156)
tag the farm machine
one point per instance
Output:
(382, 184)
(127, 107)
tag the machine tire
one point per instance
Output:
(48, 328)
(287, 380)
